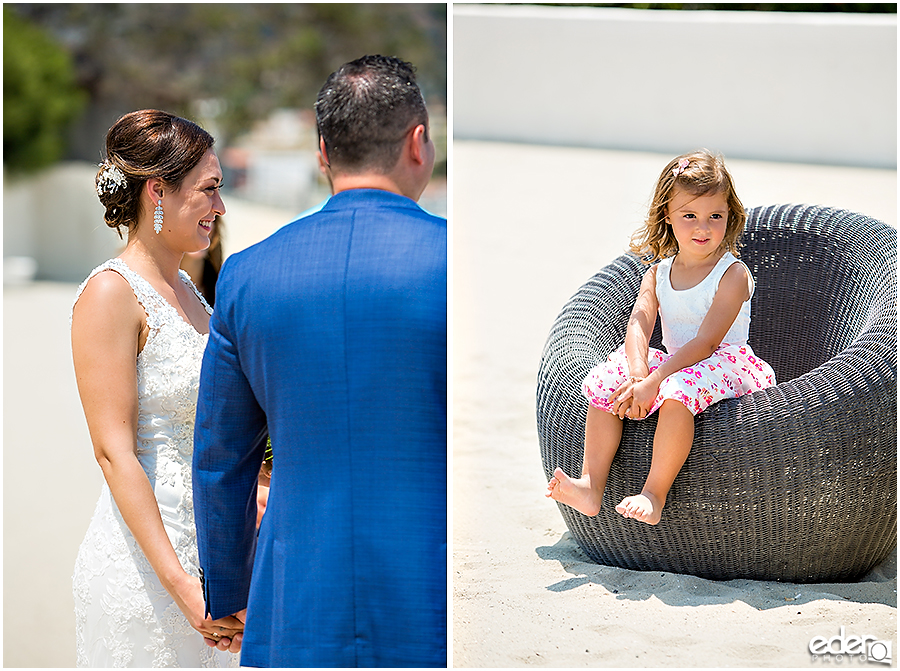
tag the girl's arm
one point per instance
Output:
(734, 289)
(107, 326)
(640, 326)
(635, 398)
(637, 345)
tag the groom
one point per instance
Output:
(332, 332)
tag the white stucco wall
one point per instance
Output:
(804, 87)
(53, 225)
(55, 219)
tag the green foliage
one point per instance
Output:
(40, 97)
(252, 58)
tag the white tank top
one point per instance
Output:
(682, 312)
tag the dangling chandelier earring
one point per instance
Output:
(158, 217)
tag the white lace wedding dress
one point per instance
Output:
(123, 615)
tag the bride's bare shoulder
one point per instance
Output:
(107, 300)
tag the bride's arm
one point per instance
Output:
(106, 331)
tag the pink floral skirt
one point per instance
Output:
(731, 372)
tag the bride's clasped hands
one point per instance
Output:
(224, 634)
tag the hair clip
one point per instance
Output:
(110, 178)
(682, 164)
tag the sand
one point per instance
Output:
(530, 225)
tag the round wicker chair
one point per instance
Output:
(797, 482)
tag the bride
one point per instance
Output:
(139, 329)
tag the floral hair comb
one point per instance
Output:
(110, 179)
(680, 168)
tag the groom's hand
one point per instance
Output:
(225, 643)
(232, 644)
(238, 637)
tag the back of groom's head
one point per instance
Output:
(365, 110)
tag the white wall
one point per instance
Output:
(53, 225)
(804, 87)
(55, 219)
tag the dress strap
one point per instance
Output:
(146, 295)
(188, 281)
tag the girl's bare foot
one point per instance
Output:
(576, 493)
(643, 507)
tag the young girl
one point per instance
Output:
(702, 293)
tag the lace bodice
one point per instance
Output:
(123, 614)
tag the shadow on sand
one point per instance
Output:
(878, 586)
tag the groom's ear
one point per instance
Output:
(415, 144)
(323, 154)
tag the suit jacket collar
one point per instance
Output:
(368, 197)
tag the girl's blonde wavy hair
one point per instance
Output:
(699, 173)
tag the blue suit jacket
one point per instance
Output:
(333, 332)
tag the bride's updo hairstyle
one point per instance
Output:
(140, 146)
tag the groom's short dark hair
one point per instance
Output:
(364, 110)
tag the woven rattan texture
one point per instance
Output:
(795, 483)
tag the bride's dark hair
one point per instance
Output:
(142, 145)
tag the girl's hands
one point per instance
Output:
(644, 393)
(634, 397)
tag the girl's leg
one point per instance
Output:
(602, 433)
(671, 446)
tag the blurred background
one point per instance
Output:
(247, 72)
